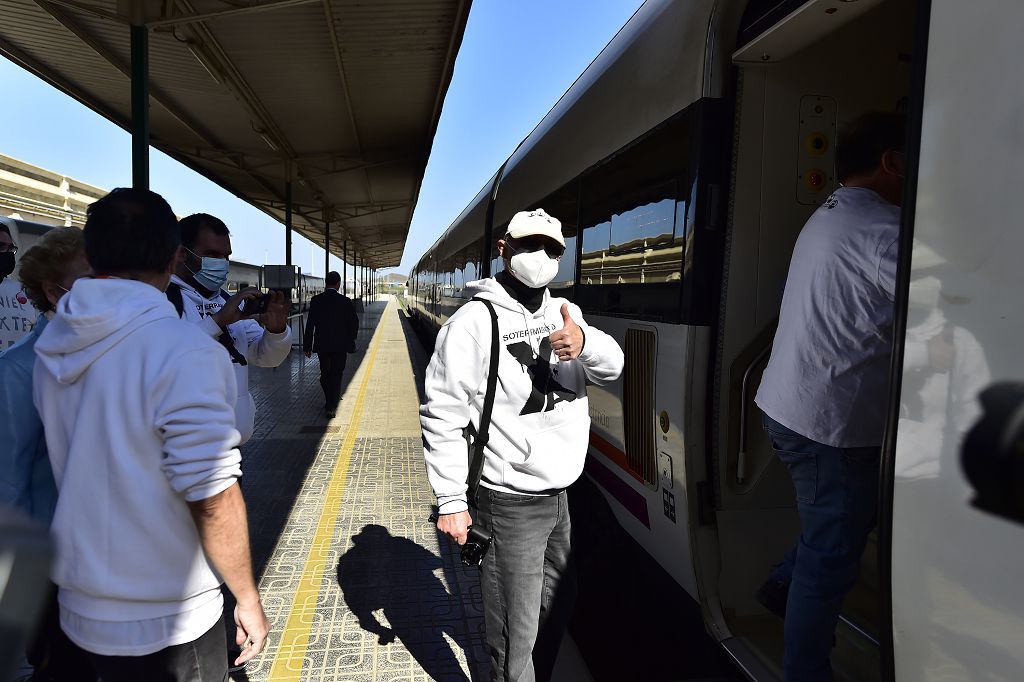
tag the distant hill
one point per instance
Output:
(395, 278)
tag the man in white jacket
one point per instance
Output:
(196, 290)
(540, 427)
(137, 409)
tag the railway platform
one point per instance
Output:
(355, 580)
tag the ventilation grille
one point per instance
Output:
(638, 404)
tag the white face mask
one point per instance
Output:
(535, 269)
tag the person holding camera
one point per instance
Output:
(196, 290)
(536, 444)
(331, 331)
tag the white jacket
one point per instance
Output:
(136, 405)
(258, 346)
(540, 425)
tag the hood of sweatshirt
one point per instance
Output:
(492, 290)
(93, 318)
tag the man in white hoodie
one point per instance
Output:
(540, 427)
(137, 407)
(197, 294)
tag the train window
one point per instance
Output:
(632, 252)
(564, 205)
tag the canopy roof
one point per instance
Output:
(341, 96)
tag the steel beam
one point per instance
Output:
(288, 222)
(140, 106)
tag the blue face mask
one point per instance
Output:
(212, 274)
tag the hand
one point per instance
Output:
(308, 354)
(567, 342)
(253, 627)
(232, 310)
(276, 316)
(456, 525)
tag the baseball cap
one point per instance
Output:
(535, 222)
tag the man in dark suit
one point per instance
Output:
(331, 333)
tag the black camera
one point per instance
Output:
(477, 544)
(257, 306)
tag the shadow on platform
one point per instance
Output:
(396, 575)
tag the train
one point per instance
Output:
(240, 274)
(682, 165)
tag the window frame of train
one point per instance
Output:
(686, 158)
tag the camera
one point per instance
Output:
(258, 305)
(477, 544)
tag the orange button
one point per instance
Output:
(816, 179)
(816, 143)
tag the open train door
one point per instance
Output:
(957, 596)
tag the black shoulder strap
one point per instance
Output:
(476, 465)
(176, 298)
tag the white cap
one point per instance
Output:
(537, 221)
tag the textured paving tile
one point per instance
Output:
(394, 603)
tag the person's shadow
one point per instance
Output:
(383, 571)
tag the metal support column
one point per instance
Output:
(344, 268)
(288, 222)
(327, 247)
(140, 106)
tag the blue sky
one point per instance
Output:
(516, 60)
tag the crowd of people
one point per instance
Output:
(129, 399)
(127, 403)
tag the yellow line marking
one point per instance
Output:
(291, 650)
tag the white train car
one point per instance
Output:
(682, 164)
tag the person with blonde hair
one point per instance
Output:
(48, 270)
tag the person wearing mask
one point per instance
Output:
(196, 290)
(48, 271)
(539, 432)
(16, 314)
(331, 330)
(825, 390)
(137, 408)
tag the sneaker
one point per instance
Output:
(773, 595)
(331, 413)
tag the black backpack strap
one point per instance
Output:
(479, 439)
(176, 298)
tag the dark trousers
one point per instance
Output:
(203, 660)
(836, 497)
(332, 367)
(528, 582)
(54, 657)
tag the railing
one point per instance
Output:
(741, 457)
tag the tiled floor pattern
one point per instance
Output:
(392, 604)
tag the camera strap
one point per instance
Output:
(478, 439)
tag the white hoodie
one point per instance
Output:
(258, 346)
(137, 409)
(540, 425)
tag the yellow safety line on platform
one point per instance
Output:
(291, 650)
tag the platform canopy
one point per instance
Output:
(340, 96)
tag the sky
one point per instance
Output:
(517, 58)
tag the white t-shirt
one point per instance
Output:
(17, 315)
(828, 375)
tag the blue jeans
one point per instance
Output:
(836, 497)
(528, 582)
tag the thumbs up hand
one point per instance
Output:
(567, 342)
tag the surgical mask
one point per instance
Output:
(535, 269)
(213, 272)
(6, 264)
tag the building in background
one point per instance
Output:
(28, 192)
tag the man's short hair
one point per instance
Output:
(130, 230)
(47, 261)
(190, 226)
(6, 230)
(333, 279)
(863, 142)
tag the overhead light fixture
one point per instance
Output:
(270, 142)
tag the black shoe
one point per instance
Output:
(773, 595)
(331, 412)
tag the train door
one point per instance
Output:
(802, 72)
(957, 600)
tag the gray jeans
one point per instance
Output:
(528, 582)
